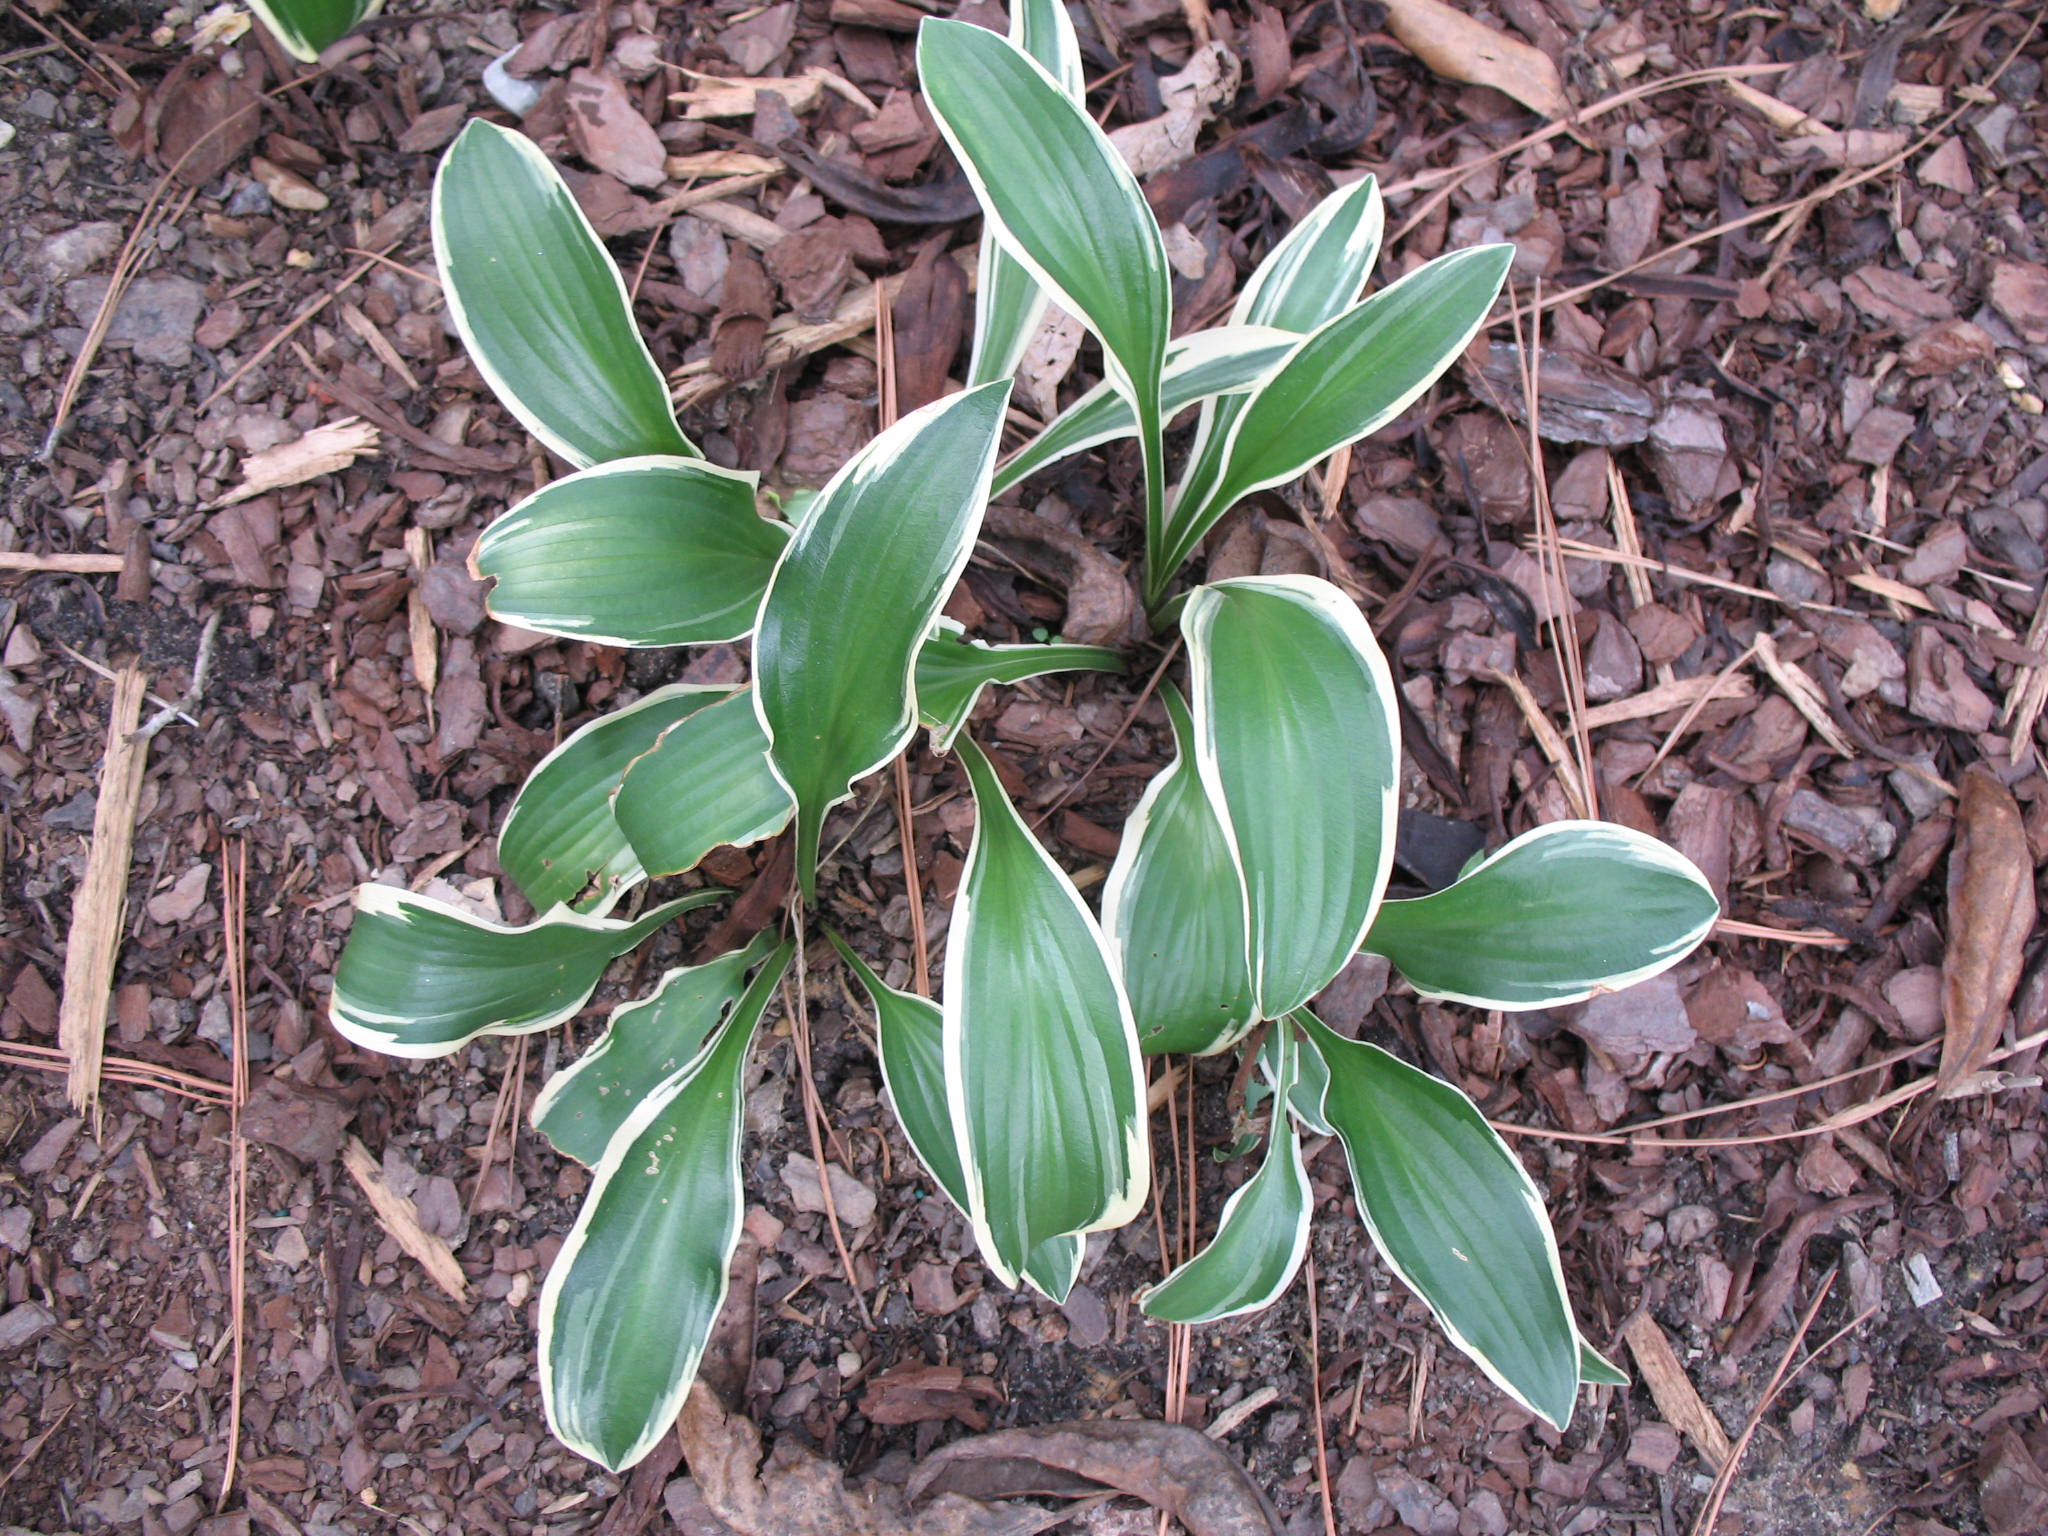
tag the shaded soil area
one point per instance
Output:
(1790, 449)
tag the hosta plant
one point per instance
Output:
(1252, 870)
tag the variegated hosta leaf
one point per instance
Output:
(909, 1036)
(1457, 1219)
(1567, 910)
(542, 307)
(1226, 360)
(1597, 1370)
(1345, 381)
(1174, 905)
(1299, 747)
(639, 552)
(420, 978)
(705, 783)
(1042, 1074)
(560, 842)
(1311, 1080)
(1262, 1233)
(855, 595)
(952, 671)
(1059, 197)
(1312, 276)
(645, 1043)
(630, 1300)
(305, 27)
(1007, 303)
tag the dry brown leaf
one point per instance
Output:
(1990, 914)
(1169, 1466)
(1459, 48)
(321, 451)
(401, 1218)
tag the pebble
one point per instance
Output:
(156, 316)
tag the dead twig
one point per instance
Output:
(96, 913)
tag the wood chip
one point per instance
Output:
(322, 451)
(1460, 48)
(1805, 694)
(1665, 697)
(1672, 1390)
(401, 1218)
(96, 914)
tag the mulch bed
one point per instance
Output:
(1792, 511)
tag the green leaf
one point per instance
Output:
(1457, 1219)
(1262, 1233)
(542, 307)
(560, 842)
(638, 552)
(1597, 1370)
(645, 1043)
(1312, 276)
(305, 27)
(630, 1300)
(1007, 303)
(1299, 748)
(1061, 200)
(1568, 910)
(1174, 904)
(1345, 381)
(855, 596)
(1042, 1075)
(1227, 360)
(952, 671)
(1311, 1079)
(420, 978)
(704, 784)
(909, 1038)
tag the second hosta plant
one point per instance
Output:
(1252, 870)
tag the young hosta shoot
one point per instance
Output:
(1041, 1059)
(1254, 867)
(1011, 304)
(855, 594)
(304, 27)
(541, 306)
(1060, 199)
(421, 978)
(629, 1303)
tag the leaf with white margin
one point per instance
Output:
(952, 671)
(909, 1034)
(645, 1043)
(630, 1300)
(1007, 302)
(1225, 360)
(1568, 910)
(637, 552)
(1262, 1233)
(304, 27)
(855, 594)
(1043, 1082)
(1059, 197)
(421, 978)
(1312, 276)
(560, 840)
(1595, 1369)
(541, 306)
(705, 783)
(1343, 382)
(1456, 1217)
(1299, 746)
(1174, 905)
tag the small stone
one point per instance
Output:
(854, 1201)
(25, 1324)
(1654, 1447)
(72, 252)
(1087, 1318)
(931, 1287)
(183, 899)
(16, 1222)
(156, 316)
